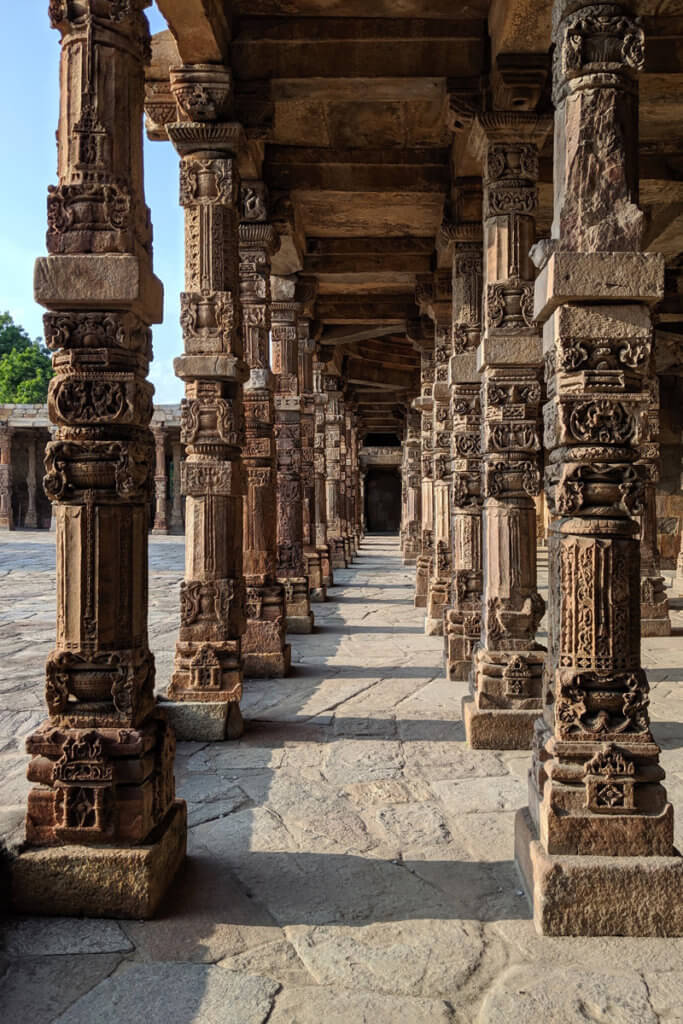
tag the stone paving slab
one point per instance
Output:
(350, 860)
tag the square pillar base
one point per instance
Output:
(269, 665)
(589, 896)
(299, 624)
(458, 671)
(101, 881)
(410, 560)
(318, 594)
(498, 728)
(204, 720)
(434, 627)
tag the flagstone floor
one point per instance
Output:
(350, 860)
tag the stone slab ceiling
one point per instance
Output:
(346, 108)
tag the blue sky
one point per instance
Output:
(29, 58)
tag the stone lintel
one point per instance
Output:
(498, 728)
(462, 369)
(598, 277)
(590, 896)
(99, 281)
(498, 349)
(101, 881)
(211, 367)
(206, 721)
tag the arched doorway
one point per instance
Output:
(383, 500)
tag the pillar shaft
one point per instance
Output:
(6, 515)
(103, 761)
(291, 570)
(412, 490)
(31, 518)
(265, 650)
(654, 604)
(508, 664)
(208, 663)
(599, 820)
(312, 557)
(424, 405)
(320, 475)
(176, 524)
(160, 482)
(334, 418)
(463, 619)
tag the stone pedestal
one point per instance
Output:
(208, 661)
(508, 664)
(596, 846)
(104, 833)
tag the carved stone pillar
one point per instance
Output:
(6, 515)
(355, 482)
(345, 489)
(333, 430)
(291, 571)
(31, 518)
(312, 556)
(424, 405)
(265, 650)
(319, 469)
(463, 618)
(102, 763)
(176, 524)
(654, 605)
(412, 485)
(207, 676)
(508, 664)
(596, 843)
(435, 300)
(160, 481)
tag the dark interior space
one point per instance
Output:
(383, 500)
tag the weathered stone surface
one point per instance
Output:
(311, 1005)
(54, 936)
(567, 996)
(38, 988)
(194, 991)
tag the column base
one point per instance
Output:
(101, 881)
(410, 560)
(654, 607)
(203, 720)
(433, 627)
(498, 728)
(326, 565)
(271, 665)
(458, 671)
(164, 530)
(299, 624)
(318, 594)
(590, 896)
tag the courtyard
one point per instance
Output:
(349, 859)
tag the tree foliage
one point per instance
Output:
(25, 366)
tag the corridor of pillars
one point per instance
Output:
(518, 375)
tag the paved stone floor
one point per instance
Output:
(350, 859)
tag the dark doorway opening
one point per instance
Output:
(383, 500)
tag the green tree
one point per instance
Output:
(25, 366)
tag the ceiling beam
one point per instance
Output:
(201, 29)
(366, 309)
(346, 336)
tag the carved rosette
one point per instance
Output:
(208, 652)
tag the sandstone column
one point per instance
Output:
(333, 429)
(6, 516)
(596, 843)
(160, 482)
(176, 524)
(412, 483)
(31, 518)
(463, 618)
(424, 405)
(312, 557)
(291, 571)
(264, 646)
(508, 663)
(654, 605)
(206, 685)
(320, 483)
(104, 833)
(435, 298)
(345, 481)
